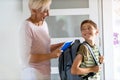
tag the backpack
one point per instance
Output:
(66, 59)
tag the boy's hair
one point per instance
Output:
(89, 21)
(40, 4)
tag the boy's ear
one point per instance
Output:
(97, 31)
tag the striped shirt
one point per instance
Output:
(88, 60)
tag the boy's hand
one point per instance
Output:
(101, 59)
(95, 69)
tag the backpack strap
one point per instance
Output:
(96, 62)
(92, 53)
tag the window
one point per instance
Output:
(56, 4)
(65, 25)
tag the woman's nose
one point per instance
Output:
(46, 13)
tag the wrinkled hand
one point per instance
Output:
(56, 53)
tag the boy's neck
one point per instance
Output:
(90, 42)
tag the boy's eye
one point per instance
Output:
(83, 29)
(89, 28)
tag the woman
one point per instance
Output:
(36, 48)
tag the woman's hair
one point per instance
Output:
(89, 21)
(39, 4)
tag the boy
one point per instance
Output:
(84, 63)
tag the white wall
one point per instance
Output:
(108, 39)
(10, 19)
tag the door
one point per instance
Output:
(65, 19)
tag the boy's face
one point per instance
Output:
(88, 31)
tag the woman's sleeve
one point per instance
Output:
(25, 45)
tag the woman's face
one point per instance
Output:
(40, 15)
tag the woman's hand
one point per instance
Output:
(55, 46)
(56, 53)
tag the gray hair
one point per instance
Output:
(39, 4)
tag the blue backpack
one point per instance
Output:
(66, 60)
